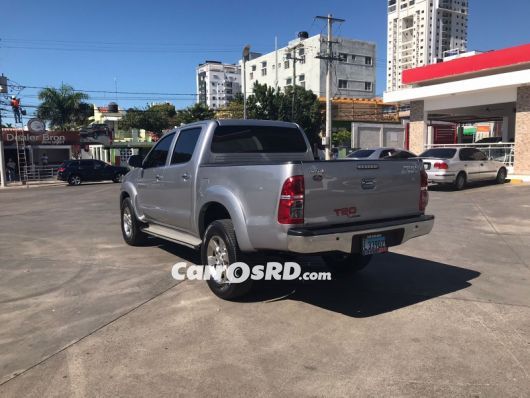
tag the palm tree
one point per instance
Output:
(63, 108)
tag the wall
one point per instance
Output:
(522, 131)
(370, 135)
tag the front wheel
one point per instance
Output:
(220, 249)
(130, 225)
(342, 263)
(501, 176)
(118, 177)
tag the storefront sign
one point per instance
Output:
(9, 137)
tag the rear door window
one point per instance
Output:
(89, 164)
(258, 139)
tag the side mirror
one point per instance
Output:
(136, 161)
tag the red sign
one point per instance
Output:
(9, 136)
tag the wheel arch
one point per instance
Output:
(223, 203)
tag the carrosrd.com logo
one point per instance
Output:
(240, 272)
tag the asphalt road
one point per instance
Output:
(82, 314)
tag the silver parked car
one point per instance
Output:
(381, 153)
(458, 166)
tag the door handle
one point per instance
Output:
(186, 176)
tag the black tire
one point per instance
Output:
(217, 232)
(130, 225)
(74, 179)
(342, 263)
(117, 177)
(501, 176)
(460, 181)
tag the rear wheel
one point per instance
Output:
(342, 263)
(130, 225)
(460, 182)
(220, 249)
(501, 176)
(74, 180)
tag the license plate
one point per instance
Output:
(374, 244)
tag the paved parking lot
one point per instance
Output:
(82, 314)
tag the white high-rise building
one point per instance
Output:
(422, 32)
(217, 83)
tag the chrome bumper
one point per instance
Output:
(344, 238)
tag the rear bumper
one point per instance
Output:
(441, 178)
(347, 238)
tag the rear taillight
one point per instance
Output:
(424, 192)
(441, 166)
(61, 169)
(291, 208)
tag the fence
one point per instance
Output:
(38, 173)
(501, 152)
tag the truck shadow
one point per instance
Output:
(390, 282)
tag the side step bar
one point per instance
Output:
(172, 235)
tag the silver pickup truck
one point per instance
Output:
(234, 188)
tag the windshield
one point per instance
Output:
(361, 153)
(441, 153)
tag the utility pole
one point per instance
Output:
(294, 58)
(329, 57)
(246, 57)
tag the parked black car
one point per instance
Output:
(77, 171)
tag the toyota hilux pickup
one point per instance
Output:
(237, 188)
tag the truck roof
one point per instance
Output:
(245, 122)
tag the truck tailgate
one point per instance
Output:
(340, 192)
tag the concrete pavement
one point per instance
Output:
(84, 315)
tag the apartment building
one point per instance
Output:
(217, 83)
(422, 32)
(352, 77)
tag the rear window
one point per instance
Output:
(258, 139)
(441, 153)
(361, 153)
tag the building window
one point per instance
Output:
(253, 67)
(264, 72)
(368, 61)
(289, 81)
(343, 57)
(343, 83)
(301, 78)
(286, 65)
(251, 75)
(368, 86)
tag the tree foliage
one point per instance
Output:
(64, 108)
(157, 118)
(341, 138)
(153, 118)
(267, 103)
(194, 113)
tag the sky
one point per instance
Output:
(154, 47)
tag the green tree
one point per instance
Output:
(155, 118)
(269, 104)
(341, 138)
(194, 113)
(64, 108)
